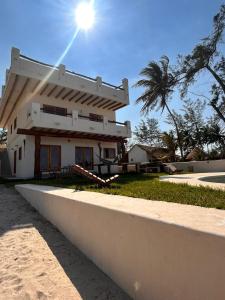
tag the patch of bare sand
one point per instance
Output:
(38, 262)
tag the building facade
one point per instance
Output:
(55, 117)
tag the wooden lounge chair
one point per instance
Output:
(87, 174)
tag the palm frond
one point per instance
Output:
(158, 84)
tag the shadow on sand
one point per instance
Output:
(90, 282)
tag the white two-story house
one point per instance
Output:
(55, 117)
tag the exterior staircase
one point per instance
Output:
(5, 170)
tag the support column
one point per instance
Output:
(37, 172)
(123, 147)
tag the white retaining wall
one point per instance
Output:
(201, 166)
(152, 249)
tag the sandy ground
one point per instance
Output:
(37, 262)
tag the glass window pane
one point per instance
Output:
(55, 157)
(79, 155)
(84, 157)
(44, 158)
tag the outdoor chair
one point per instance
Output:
(87, 174)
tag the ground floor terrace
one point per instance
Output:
(36, 155)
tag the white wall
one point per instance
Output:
(201, 166)
(25, 166)
(153, 250)
(136, 154)
(22, 108)
(59, 77)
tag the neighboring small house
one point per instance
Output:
(142, 153)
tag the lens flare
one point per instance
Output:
(85, 15)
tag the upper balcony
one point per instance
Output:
(28, 78)
(34, 120)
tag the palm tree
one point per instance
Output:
(158, 82)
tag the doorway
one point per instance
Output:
(84, 157)
(50, 158)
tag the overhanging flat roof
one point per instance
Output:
(69, 134)
(27, 78)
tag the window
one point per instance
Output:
(50, 109)
(15, 123)
(96, 118)
(20, 153)
(109, 153)
(50, 159)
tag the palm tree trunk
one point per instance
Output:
(218, 112)
(217, 77)
(177, 131)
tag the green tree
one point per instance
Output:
(158, 82)
(194, 122)
(206, 56)
(148, 132)
(185, 138)
(170, 142)
(213, 134)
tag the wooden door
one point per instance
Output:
(50, 158)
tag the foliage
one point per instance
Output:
(194, 123)
(158, 81)
(170, 142)
(206, 57)
(148, 132)
(3, 136)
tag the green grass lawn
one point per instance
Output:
(145, 186)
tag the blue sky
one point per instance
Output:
(127, 34)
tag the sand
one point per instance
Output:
(38, 262)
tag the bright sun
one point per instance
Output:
(85, 15)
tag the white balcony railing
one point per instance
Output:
(74, 122)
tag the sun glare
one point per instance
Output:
(85, 15)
